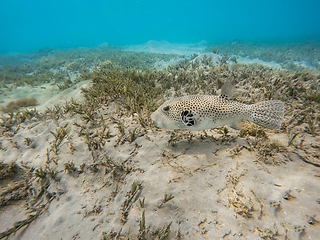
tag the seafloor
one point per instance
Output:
(80, 158)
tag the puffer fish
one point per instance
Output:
(200, 112)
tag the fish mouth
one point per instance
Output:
(157, 124)
(154, 122)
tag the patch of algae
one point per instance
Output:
(111, 125)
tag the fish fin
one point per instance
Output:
(188, 118)
(268, 114)
(237, 124)
(228, 90)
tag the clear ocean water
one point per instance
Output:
(30, 25)
(90, 148)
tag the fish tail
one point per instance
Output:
(268, 114)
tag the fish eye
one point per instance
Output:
(166, 108)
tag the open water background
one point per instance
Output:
(35, 24)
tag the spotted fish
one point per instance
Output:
(200, 112)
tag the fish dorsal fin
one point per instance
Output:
(228, 90)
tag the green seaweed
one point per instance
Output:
(164, 232)
(55, 66)
(252, 130)
(168, 197)
(135, 188)
(142, 224)
(13, 106)
(58, 135)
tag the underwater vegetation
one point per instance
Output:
(291, 56)
(13, 106)
(115, 115)
(141, 92)
(21, 186)
(64, 68)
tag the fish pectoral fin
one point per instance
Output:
(189, 121)
(236, 124)
(188, 118)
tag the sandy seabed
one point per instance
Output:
(151, 183)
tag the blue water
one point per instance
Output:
(31, 25)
